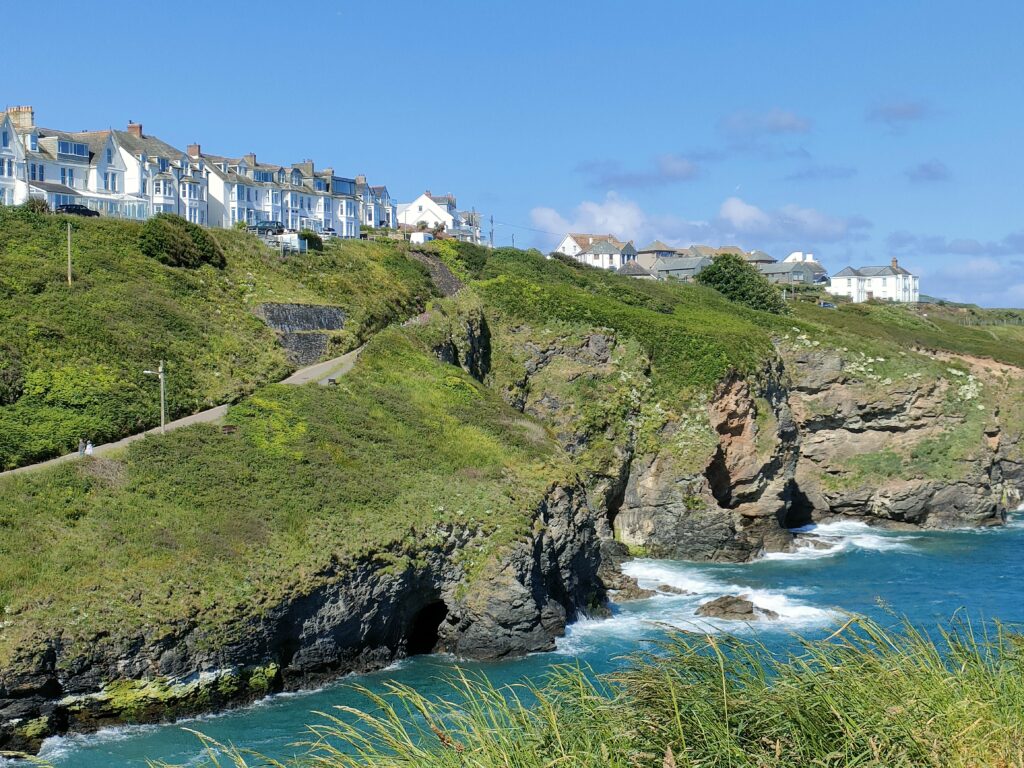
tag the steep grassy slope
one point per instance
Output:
(71, 358)
(221, 526)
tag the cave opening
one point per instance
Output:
(424, 632)
(719, 480)
(799, 511)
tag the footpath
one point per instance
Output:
(322, 373)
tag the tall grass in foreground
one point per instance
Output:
(865, 696)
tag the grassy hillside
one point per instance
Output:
(71, 358)
(221, 526)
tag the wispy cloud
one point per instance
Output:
(747, 125)
(669, 168)
(897, 114)
(823, 173)
(928, 172)
(932, 245)
(736, 221)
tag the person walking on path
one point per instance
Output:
(88, 448)
(81, 448)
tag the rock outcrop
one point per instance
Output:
(734, 608)
(302, 329)
(362, 616)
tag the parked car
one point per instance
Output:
(328, 232)
(75, 209)
(826, 305)
(267, 228)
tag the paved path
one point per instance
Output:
(320, 373)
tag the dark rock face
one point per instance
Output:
(301, 328)
(359, 618)
(734, 608)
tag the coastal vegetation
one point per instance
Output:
(72, 357)
(867, 695)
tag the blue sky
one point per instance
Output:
(856, 131)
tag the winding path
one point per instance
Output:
(321, 373)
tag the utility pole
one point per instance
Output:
(69, 253)
(513, 239)
(160, 373)
(492, 231)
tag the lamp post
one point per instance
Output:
(159, 373)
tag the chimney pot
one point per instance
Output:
(895, 264)
(23, 118)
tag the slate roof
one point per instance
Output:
(632, 269)
(655, 247)
(604, 246)
(680, 263)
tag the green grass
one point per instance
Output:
(71, 359)
(223, 526)
(866, 696)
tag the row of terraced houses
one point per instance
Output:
(129, 174)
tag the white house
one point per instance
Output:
(168, 179)
(891, 283)
(604, 251)
(13, 190)
(440, 211)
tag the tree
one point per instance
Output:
(738, 281)
(35, 205)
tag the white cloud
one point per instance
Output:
(736, 221)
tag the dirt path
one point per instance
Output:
(320, 373)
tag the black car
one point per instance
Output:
(267, 228)
(74, 209)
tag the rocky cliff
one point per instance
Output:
(362, 616)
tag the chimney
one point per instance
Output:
(895, 264)
(194, 151)
(250, 158)
(361, 179)
(135, 129)
(23, 118)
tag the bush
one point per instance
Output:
(35, 205)
(178, 243)
(313, 240)
(12, 377)
(741, 282)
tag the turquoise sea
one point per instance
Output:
(925, 576)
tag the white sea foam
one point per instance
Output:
(637, 619)
(827, 539)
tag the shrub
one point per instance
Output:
(178, 243)
(12, 377)
(35, 205)
(741, 282)
(313, 240)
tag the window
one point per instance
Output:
(110, 156)
(106, 181)
(64, 176)
(144, 184)
(33, 142)
(71, 177)
(42, 172)
(72, 148)
(113, 182)
(849, 282)
(32, 171)
(6, 140)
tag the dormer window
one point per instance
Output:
(110, 156)
(72, 149)
(33, 142)
(162, 162)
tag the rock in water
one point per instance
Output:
(670, 590)
(734, 608)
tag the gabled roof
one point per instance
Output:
(680, 263)
(755, 257)
(656, 246)
(605, 247)
(786, 267)
(585, 241)
(848, 272)
(632, 269)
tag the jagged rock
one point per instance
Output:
(669, 589)
(734, 608)
(631, 590)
